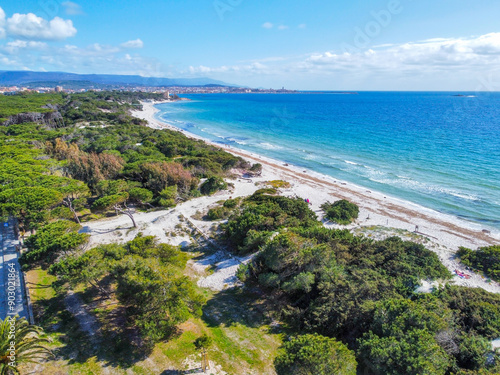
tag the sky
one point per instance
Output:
(297, 44)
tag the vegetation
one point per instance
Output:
(148, 280)
(485, 259)
(255, 170)
(53, 239)
(65, 159)
(278, 184)
(342, 211)
(315, 355)
(212, 185)
(362, 292)
(29, 345)
(203, 342)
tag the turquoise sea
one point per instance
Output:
(436, 149)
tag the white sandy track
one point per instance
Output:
(444, 233)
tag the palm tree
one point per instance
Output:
(28, 344)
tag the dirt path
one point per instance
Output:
(87, 322)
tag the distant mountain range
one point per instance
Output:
(9, 78)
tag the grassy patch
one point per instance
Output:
(278, 184)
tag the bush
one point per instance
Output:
(315, 355)
(342, 211)
(140, 195)
(486, 259)
(168, 196)
(243, 272)
(52, 239)
(232, 203)
(277, 184)
(217, 213)
(212, 185)
(203, 342)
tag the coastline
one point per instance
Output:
(380, 215)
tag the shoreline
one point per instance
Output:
(444, 232)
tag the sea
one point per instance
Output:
(437, 149)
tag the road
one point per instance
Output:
(11, 281)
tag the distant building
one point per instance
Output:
(58, 89)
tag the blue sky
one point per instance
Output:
(299, 44)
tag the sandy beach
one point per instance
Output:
(380, 216)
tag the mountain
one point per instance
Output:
(24, 77)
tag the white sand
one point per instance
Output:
(441, 233)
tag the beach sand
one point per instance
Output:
(380, 215)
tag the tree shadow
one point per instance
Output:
(245, 306)
(117, 344)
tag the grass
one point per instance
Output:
(236, 321)
(278, 184)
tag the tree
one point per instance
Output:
(413, 353)
(52, 239)
(74, 196)
(474, 352)
(157, 176)
(315, 355)
(28, 347)
(92, 168)
(141, 196)
(342, 211)
(168, 196)
(89, 268)
(30, 205)
(402, 339)
(118, 202)
(203, 342)
(158, 296)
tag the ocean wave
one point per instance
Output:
(350, 162)
(426, 188)
(310, 157)
(269, 146)
(236, 140)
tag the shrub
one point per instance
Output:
(52, 239)
(315, 355)
(277, 184)
(486, 259)
(342, 211)
(212, 185)
(217, 213)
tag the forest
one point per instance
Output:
(348, 304)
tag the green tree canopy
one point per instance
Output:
(315, 355)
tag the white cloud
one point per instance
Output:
(33, 27)
(453, 63)
(302, 26)
(427, 55)
(267, 25)
(91, 59)
(14, 46)
(133, 44)
(253, 68)
(2, 24)
(72, 8)
(282, 27)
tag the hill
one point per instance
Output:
(24, 77)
